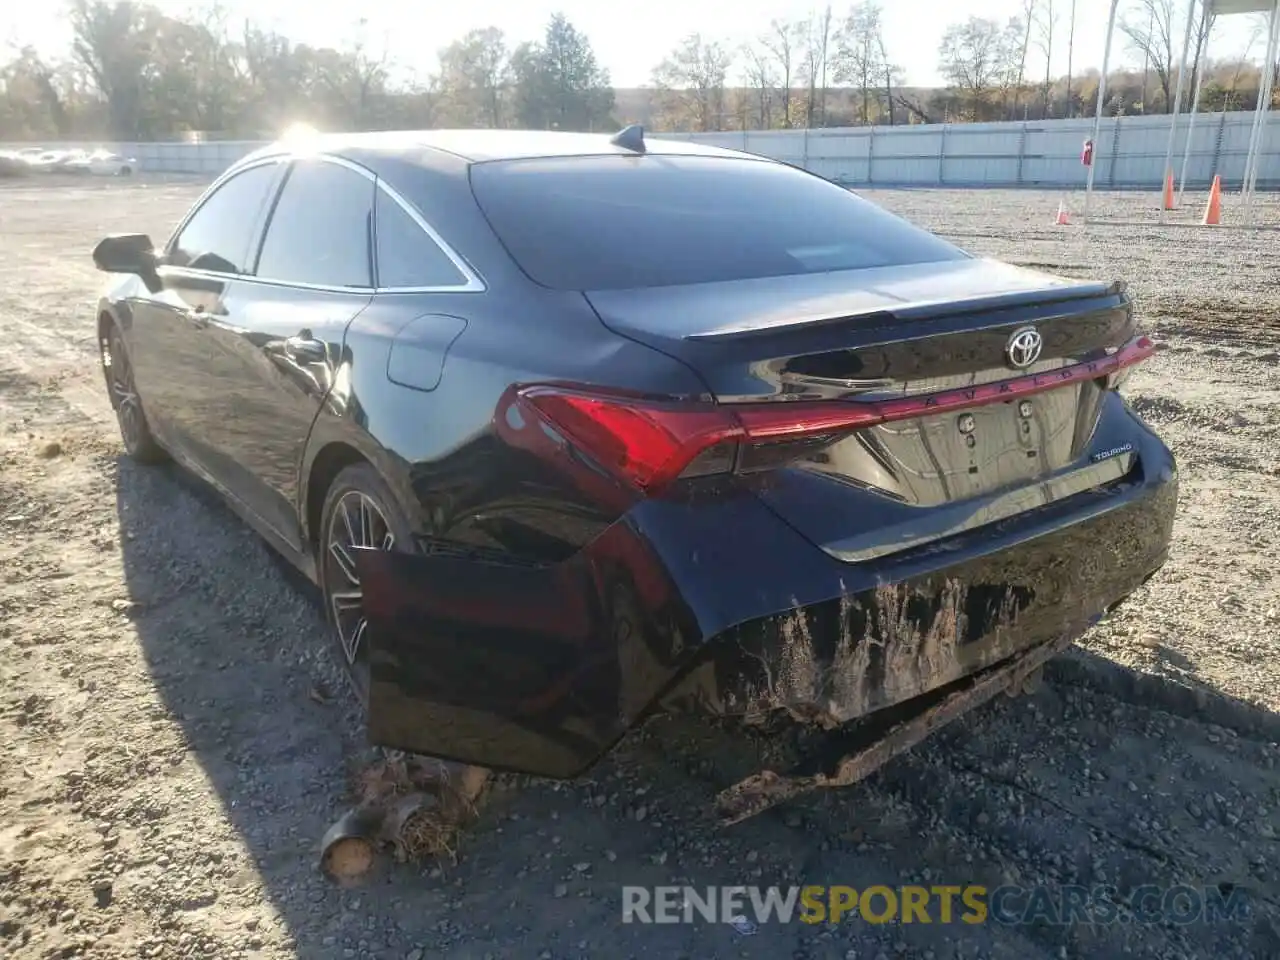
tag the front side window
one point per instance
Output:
(319, 232)
(218, 235)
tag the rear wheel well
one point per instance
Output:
(329, 462)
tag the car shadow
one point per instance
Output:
(235, 642)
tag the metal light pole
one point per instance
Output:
(1097, 114)
(1260, 110)
(1202, 55)
(1177, 100)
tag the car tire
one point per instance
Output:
(359, 510)
(126, 171)
(139, 443)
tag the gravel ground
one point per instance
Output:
(175, 740)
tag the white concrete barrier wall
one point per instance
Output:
(1129, 154)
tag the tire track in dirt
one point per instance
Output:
(1036, 792)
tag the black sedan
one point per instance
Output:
(571, 429)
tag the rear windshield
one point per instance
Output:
(608, 223)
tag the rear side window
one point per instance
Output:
(601, 223)
(320, 229)
(407, 256)
(218, 235)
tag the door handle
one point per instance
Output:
(304, 348)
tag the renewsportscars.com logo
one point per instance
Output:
(747, 907)
(809, 904)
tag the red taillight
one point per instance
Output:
(651, 443)
(648, 444)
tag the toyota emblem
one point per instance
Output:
(1023, 348)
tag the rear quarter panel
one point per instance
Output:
(447, 450)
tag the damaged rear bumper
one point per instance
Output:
(855, 761)
(721, 607)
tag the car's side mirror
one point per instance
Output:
(128, 253)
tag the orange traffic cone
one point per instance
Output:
(1062, 219)
(1213, 209)
(1168, 190)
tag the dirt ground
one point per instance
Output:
(174, 741)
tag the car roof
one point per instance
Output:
(444, 148)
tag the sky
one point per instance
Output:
(629, 36)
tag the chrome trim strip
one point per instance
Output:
(473, 283)
(971, 514)
(246, 278)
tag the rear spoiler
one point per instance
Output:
(924, 309)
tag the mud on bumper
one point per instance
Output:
(724, 609)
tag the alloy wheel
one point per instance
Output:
(356, 521)
(124, 394)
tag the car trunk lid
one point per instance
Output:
(762, 338)
(931, 345)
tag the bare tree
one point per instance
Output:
(1258, 26)
(113, 44)
(891, 73)
(690, 85)
(780, 42)
(1203, 26)
(739, 104)
(138, 69)
(361, 75)
(914, 109)
(1146, 61)
(1011, 62)
(214, 69)
(1046, 22)
(979, 58)
(1028, 18)
(762, 81)
(816, 54)
(1154, 29)
(35, 95)
(860, 56)
(473, 73)
(417, 103)
(1071, 48)
(826, 58)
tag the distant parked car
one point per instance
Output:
(102, 163)
(57, 161)
(45, 161)
(73, 161)
(106, 164)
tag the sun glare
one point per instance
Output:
(299, 132)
